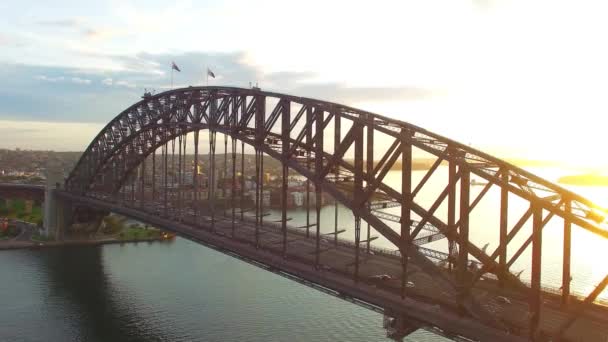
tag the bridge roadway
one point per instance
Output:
(428, 303)
(24, 191)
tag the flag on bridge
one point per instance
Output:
(210, 73)
(174, 67)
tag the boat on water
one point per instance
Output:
(167, 235)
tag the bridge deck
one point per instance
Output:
(428, 301)
(24, 191)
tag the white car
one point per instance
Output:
(503, 300)
(384, 277)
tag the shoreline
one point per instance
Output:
(12, 245)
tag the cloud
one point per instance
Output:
(40, 93)
(90, 32)
(49, 79)
(79, 26)
(486, 4)
(76, 80)
(290, 75)
(67, 22)
(110, 82)
(125, 84)
(304, 84)
(336, 92)
(100, 33)
(64, 93)
(79, 80)
(13, 40)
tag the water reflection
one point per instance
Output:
(184, 292)
(167, 292)
(81, 294)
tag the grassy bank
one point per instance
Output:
(135, 231)
(16, 209)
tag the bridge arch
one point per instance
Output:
(148, 133)
(255, 116)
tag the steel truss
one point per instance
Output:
(294, 130)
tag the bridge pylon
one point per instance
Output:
(57, 212)
(398, 326)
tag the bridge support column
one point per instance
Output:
(212, 178)
(57, 212)
(566, 258)
(452, 179)
(369, 161)
(535, 293)
(462, 262)
(242, 194)
(406, 205)
(398, 326)
(308, 167)
(318, 141)
(195, 197)
(233, 188)
(358, 193)
(337, 140)
(258, 180)
(285, 123)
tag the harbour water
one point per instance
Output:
(172, 291)
(182, 291)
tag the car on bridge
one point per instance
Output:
(383, 277)
(503, 300)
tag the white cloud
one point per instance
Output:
(76, 80)
(125, 84)
(66, 22)
(112, 82)
(79, 80)
(49, 79)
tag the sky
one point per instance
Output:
(524, 79)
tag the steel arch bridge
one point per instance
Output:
(332, 146)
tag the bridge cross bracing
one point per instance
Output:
(133, 163)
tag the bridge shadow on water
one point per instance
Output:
(79, 285)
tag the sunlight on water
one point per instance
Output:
(588, 250)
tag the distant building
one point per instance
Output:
(265, 197)
(291, 183)
(298, 198)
